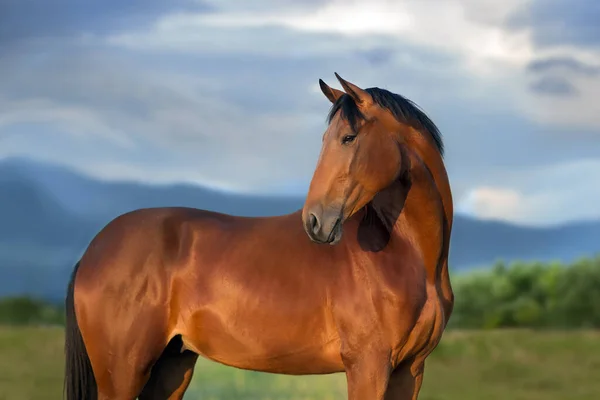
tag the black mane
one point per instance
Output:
(402, 109)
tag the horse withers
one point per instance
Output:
(356, 282)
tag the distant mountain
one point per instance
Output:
(48, 215)
(100, 200)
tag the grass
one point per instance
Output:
(514, 365)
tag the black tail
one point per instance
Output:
(80, 383)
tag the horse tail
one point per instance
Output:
(80, 383)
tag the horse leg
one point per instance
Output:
(121, 359)
(405, 381)
(367, 375)
(121, 383)
(172, 373)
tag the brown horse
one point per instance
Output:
(158, 287)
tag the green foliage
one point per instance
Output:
(532, 295)
(27, 311)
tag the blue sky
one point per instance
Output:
(225, 93)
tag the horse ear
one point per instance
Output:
(360, 96)
(329, 92)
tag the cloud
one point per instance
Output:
(198, 127)
(491, 203)
(539, 196)
(564, 53)
(195, 118)
(463, 39)
(224, 93)
(554, 86)
(563, 64)
(27, 19)
(555, 23)
(557, 75)
(467, 29)
(572, 107)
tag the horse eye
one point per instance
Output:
(348, 139)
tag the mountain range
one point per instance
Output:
(49, 213)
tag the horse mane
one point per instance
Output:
(403, 109)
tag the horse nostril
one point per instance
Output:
(337, 223)
(314, 223)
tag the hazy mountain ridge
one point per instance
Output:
(48, 215)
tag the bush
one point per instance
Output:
(530, 295)
(27, 311)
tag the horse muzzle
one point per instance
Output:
(323, 226)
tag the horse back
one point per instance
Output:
(131, 264)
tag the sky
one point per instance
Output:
(224, 93)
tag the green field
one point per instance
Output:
(514, 365)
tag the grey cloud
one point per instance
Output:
(264, 5)
(28, 19)
(554, 86)
(554, 75)
(220, 133)
(377, 56)
(568, 64)
(214, 116)
(247, 115)
(560, 22)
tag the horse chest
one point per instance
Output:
(422, 335)
(405, 308)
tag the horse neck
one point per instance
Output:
(424, 148)
(414, 207)
(431, 157)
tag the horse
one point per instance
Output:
(354, 282)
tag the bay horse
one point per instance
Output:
(289, 294)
